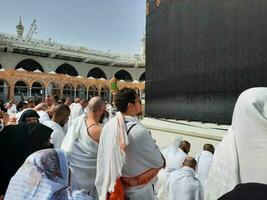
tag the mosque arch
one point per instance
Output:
(142, 77)
(53, 89)
(4, 89)
(67, 69)
(37, 89)
(29, 65)
(81, 91)
(21, 89)
(68, 90)
(92, 91)
(105, 93)
(123, 75)
(97, 73)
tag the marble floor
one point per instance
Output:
(198, 134)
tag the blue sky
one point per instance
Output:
(117, 25)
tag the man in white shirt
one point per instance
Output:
(204, 161)
(182, 183)
(128, 159)
(60, 117)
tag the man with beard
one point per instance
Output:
(81, 146)
(59, 119)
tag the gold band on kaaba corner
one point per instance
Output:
(157, 3)
(147, 8)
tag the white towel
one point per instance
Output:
(111, 156)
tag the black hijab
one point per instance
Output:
(17, 142)
(247, 191)
(28, 113)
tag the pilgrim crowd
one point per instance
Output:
(62, 149)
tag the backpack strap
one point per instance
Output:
(128, 131)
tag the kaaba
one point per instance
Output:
(201, 54)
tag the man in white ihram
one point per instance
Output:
(183, 184)
(128, 158)
(59, 119)
(77, 110)
(81, 146)
(175, 156)
(204, 161)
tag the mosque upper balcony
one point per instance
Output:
(48, 48)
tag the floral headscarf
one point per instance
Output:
(44, 175)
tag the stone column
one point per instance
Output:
(87, 94)
(46, 92)
(11, 91)
(30, 92)
(75, 93)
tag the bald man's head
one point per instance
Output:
(190, 162)
(185, 146)
(208, 147)
(95, 104)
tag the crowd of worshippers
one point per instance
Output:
(59, 149)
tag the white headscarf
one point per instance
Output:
(44, 175)
(241, 156)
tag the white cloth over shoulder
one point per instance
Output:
(174, 146)
(241, 156)
(81, 152)
(111, 156)
(204, 161)
(183, 185)
(43, 116)
(76, 110)
(174, 161)
(58, 133)
(141, 154)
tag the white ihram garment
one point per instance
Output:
(58, 133)
(76, 110)
(141, 154)
(183, 185)
(241, 156)
(204, 161)
(43, 116)
(175, 145)
(81, 152)
(174, 160)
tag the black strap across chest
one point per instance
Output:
(128, 131)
